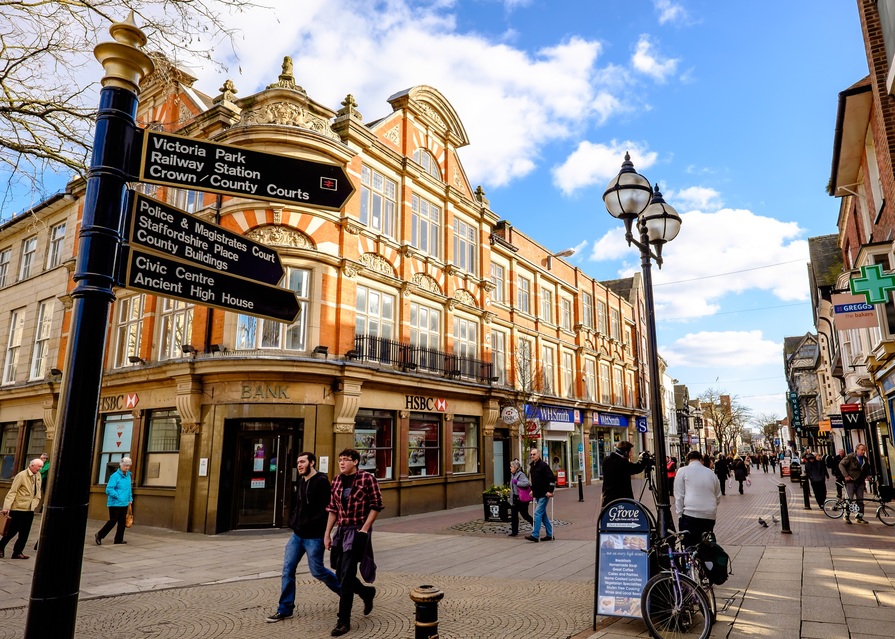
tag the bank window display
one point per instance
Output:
(374, 432)
(465, 445)
(176, 326)
(424, 445)
(116, 432)
(256, 333)
(8, 450)
(162, 449)
(129, 330)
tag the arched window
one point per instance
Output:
(428, 162)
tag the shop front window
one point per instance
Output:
(162, 449)
(373, 439)
(8, 450)
(424, 445)
(116, 443)
(465, 445)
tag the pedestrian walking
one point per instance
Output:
(355, 502)
(855, 468)
(22, 499)
(308, 524)
(120, 497)
(671, 471)
(817, 473)
(740, 471)
(617, 471)
(543, 483)
(520, 498)
(772, 458)
(764, 463)
(697, 498)
(722, 470)
(833, 466)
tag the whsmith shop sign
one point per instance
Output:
(553, 414)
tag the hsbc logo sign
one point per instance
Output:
(419, 402)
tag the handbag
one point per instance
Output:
(129, 517)
(4, 524)
(525, 495)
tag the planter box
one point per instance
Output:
(496, 508)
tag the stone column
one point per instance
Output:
(189, 407)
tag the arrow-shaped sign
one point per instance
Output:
(233, 170)
(159, 275)
(160, 228)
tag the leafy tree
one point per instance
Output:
(767, 424)
(725, 415)
(48, 75)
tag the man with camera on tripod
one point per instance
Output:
(617, 471)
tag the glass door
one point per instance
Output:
(260, 481)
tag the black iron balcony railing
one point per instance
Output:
(409, 357)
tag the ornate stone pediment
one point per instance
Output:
(426, 282)
(465, 297)
(274, 235)
(377, 264)
(289, 114)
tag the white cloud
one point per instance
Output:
(728, 349)
(694, 197)
(669, 11)
(593, 163)
(645, 61)
(374, 50)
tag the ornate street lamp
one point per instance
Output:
(629, 196)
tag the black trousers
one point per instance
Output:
(519, 509)
(820, 491)
(695, 527)
(346, 571)
(20, 525)
(117, 515)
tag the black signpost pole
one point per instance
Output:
(52, 610)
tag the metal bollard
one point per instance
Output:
(784, 511)
(580, 487)
(426, 599)
(806, 493)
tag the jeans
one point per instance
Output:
(296, 547)
(541, 516)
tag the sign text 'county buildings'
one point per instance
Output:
(220, 168)
(159, 275)
(160, 228)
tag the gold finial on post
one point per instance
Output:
(125, 64)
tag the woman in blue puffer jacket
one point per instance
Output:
(120, 497)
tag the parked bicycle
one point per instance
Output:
(836, 507)
(679, 601)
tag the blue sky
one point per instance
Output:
(729, 105)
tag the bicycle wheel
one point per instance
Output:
(886, 514)
(697, 574)
(834, 508)
(674, 608)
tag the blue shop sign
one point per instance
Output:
(622, 567)
(553, 414)
(610, 419)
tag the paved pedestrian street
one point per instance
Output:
(826, 579)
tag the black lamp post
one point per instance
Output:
(629, 196)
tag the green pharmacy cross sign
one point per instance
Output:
(873, 284)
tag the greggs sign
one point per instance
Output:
(419, 402)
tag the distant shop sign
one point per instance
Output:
(853, 311)
(553, 414)
(613, 420)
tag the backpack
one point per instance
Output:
(715, 562)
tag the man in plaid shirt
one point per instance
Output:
(354, 506)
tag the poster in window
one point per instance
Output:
(459, 449)
(417, 448)
(365, 443)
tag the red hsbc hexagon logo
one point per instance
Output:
(132, 400)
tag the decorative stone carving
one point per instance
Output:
(287, 114)
(50, 406)
(280, 236)
(490, 413)
(465, 297)
(377, 264)
(347, 401)
(489, 317)
(480, 195)
(489, 286)
(450, 269)
(228, 92)
(351, 269)
(286, 79)
(278, 215)
(404, 414)
(351, 226)
(458, 178)
(426, 282)
(432, 114)
(393, 135)
(349, 110)
(407, 250)
(189, 403)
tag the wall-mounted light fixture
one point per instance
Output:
(217, 348)
(188, 349)
(569, 252)
(321, 350)
(352, 354)
(136, 359)
(55, 372)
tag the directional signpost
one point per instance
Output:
(160, 228)
(232, 170)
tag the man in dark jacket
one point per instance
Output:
(722, 470)
(543, 483)
(856, 469)
(833, 466)
(817, 474)
(308, 523)
(617, 471)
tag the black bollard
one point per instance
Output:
(426, 599)
(580, 487)
(806, 493)
(784, 511)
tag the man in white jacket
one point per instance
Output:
(697, 493)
